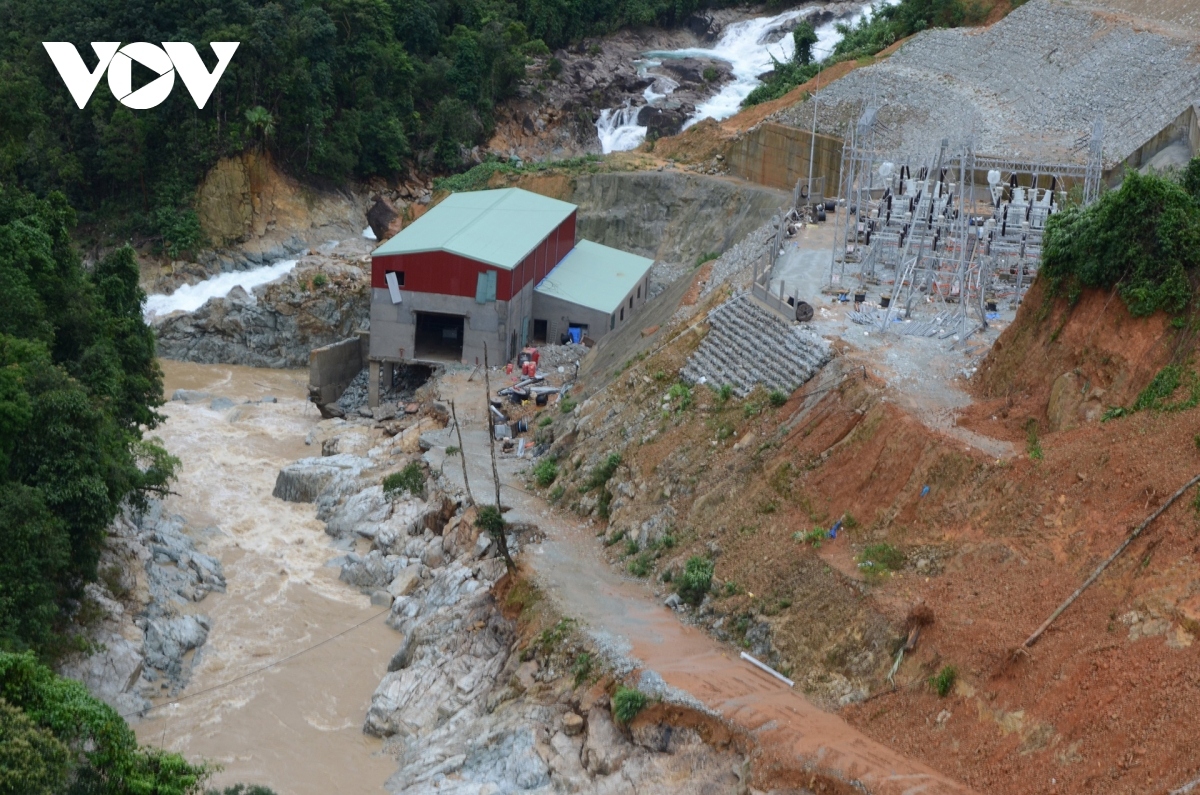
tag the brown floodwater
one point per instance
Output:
(296, 727)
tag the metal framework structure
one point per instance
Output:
(949, 227)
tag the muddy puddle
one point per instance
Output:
(296, 727)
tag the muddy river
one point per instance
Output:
(295, 727)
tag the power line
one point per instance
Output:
(266, 667)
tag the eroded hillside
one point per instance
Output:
(977, 550)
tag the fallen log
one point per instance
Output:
(1032, 639)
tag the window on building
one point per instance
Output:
(399, 278)
(639, 292)
(622, 314)
(612, 322)
(485, 287)
(631, 302)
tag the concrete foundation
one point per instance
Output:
(331, 368)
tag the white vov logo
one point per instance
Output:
(171, 57)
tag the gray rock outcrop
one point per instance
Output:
(151, 574)
(276, 326)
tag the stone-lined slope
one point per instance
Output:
(750, 345)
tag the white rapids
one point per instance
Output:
(190, 297)
(744, 45)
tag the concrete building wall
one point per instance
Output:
(777, 156)
(394, 326)
(331, 368)
(559, 313)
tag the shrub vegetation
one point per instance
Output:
(59, 739)
(1142, 239)
(627, 702)
(410, 480)
(696, 580)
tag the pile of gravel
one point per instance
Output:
(355, 395)
(1028, 86)
(551, 357)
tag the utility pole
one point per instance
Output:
(462, 451)
(496, 527)
(812, 145)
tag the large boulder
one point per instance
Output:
(605, 749)
(385, 220)
(363, 514)
(304, 480)
(168, 639)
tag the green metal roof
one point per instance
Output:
(499, 227)
(595, 276)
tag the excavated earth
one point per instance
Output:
(1102, 703)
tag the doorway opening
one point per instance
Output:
(439, 336)
(540, 331)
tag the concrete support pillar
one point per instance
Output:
(373, 385)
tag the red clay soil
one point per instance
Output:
(1109, 355)
(1106, 701)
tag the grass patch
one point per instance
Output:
(601, 474)
(682, 393)
(552, 637)
(478, 177)
(452, 450)
(545, 472)
(777, 398)
(1162, 387)
(411, 479)
(880, 558)
(725, 392)
(943, 681)
(1032, 445)
(813, 537)
(582, 668)
(557, 492)
(566, 405)
(544, 421)
(627, 702)
(640, 566)
(707, 257)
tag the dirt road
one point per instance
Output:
(797, 738)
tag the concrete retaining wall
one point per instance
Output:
(777, 156)
(331, 368)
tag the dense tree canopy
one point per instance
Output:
(78, 384)
(59, 740)
(333, 89)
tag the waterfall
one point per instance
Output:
(745, 47)
(190, 297)
(618, 128)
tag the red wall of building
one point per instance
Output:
(449, 274)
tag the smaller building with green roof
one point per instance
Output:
(594, 287)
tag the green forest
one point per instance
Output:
(332, 89)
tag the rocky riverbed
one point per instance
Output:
(469, 705)
(153, 581)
